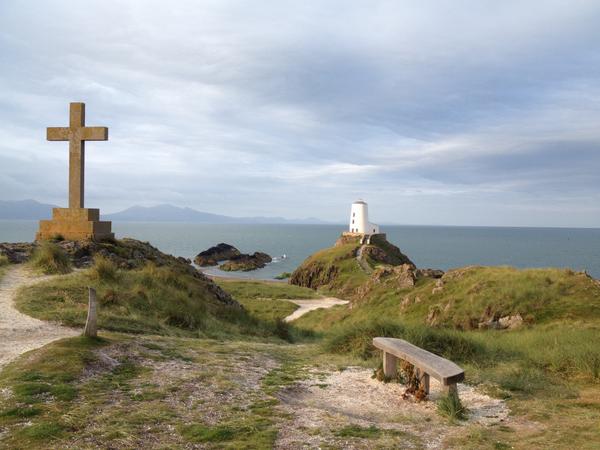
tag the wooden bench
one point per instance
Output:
(426, 363)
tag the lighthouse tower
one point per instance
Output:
(359, 219)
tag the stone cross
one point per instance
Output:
(77, 133)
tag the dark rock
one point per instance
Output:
(246, 263)
(429, 273)
(17, 253)
(212, 256)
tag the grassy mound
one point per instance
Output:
(157, 300)
(49, 258)
(464, 298)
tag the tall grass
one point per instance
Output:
(50, 259)
(104, 269)
(451, 407)
(357, 340)
(4, 260)
(566, 350)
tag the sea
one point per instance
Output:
(439, 247)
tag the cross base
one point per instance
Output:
(75, 224)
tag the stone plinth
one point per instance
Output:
(75, 224)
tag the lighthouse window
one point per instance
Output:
(352, 221)
(353, 214)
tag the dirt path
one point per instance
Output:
(312, 304)
(20, 333)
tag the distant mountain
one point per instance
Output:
(33, 210)
(170, 213)
(25, 210)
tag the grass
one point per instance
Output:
(243, 290)
(356, 431)
(146, 391)
(451, 407)
(4, 260)
(203, 433)
(4, 264)
(50, 259)
(155, 300)
(269, 309)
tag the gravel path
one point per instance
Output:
(312, 304)
(322, 404)
(20, 333)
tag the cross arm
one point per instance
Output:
(95, 134)
(57, 134)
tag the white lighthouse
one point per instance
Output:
(359, 219)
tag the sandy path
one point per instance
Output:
(312, 304)
(20, 333)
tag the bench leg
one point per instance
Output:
(390, 365)
(425, 383)
(450, 389)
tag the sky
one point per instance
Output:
(434, 112)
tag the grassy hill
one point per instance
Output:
(167, 299)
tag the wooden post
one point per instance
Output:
(91, 324)
(390, 364)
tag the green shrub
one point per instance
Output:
(451, 407)
(283, 276)
(4, 260)
(50, 259)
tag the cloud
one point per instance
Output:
(432, 111)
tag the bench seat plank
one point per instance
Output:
(446, 372)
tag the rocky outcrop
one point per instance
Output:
(503, 323)
(314, 275)
(400, 277)
(429, 273)
(17, 253)
(380, 250)
(246, 263)
(216, 254)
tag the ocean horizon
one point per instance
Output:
(428, 246)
